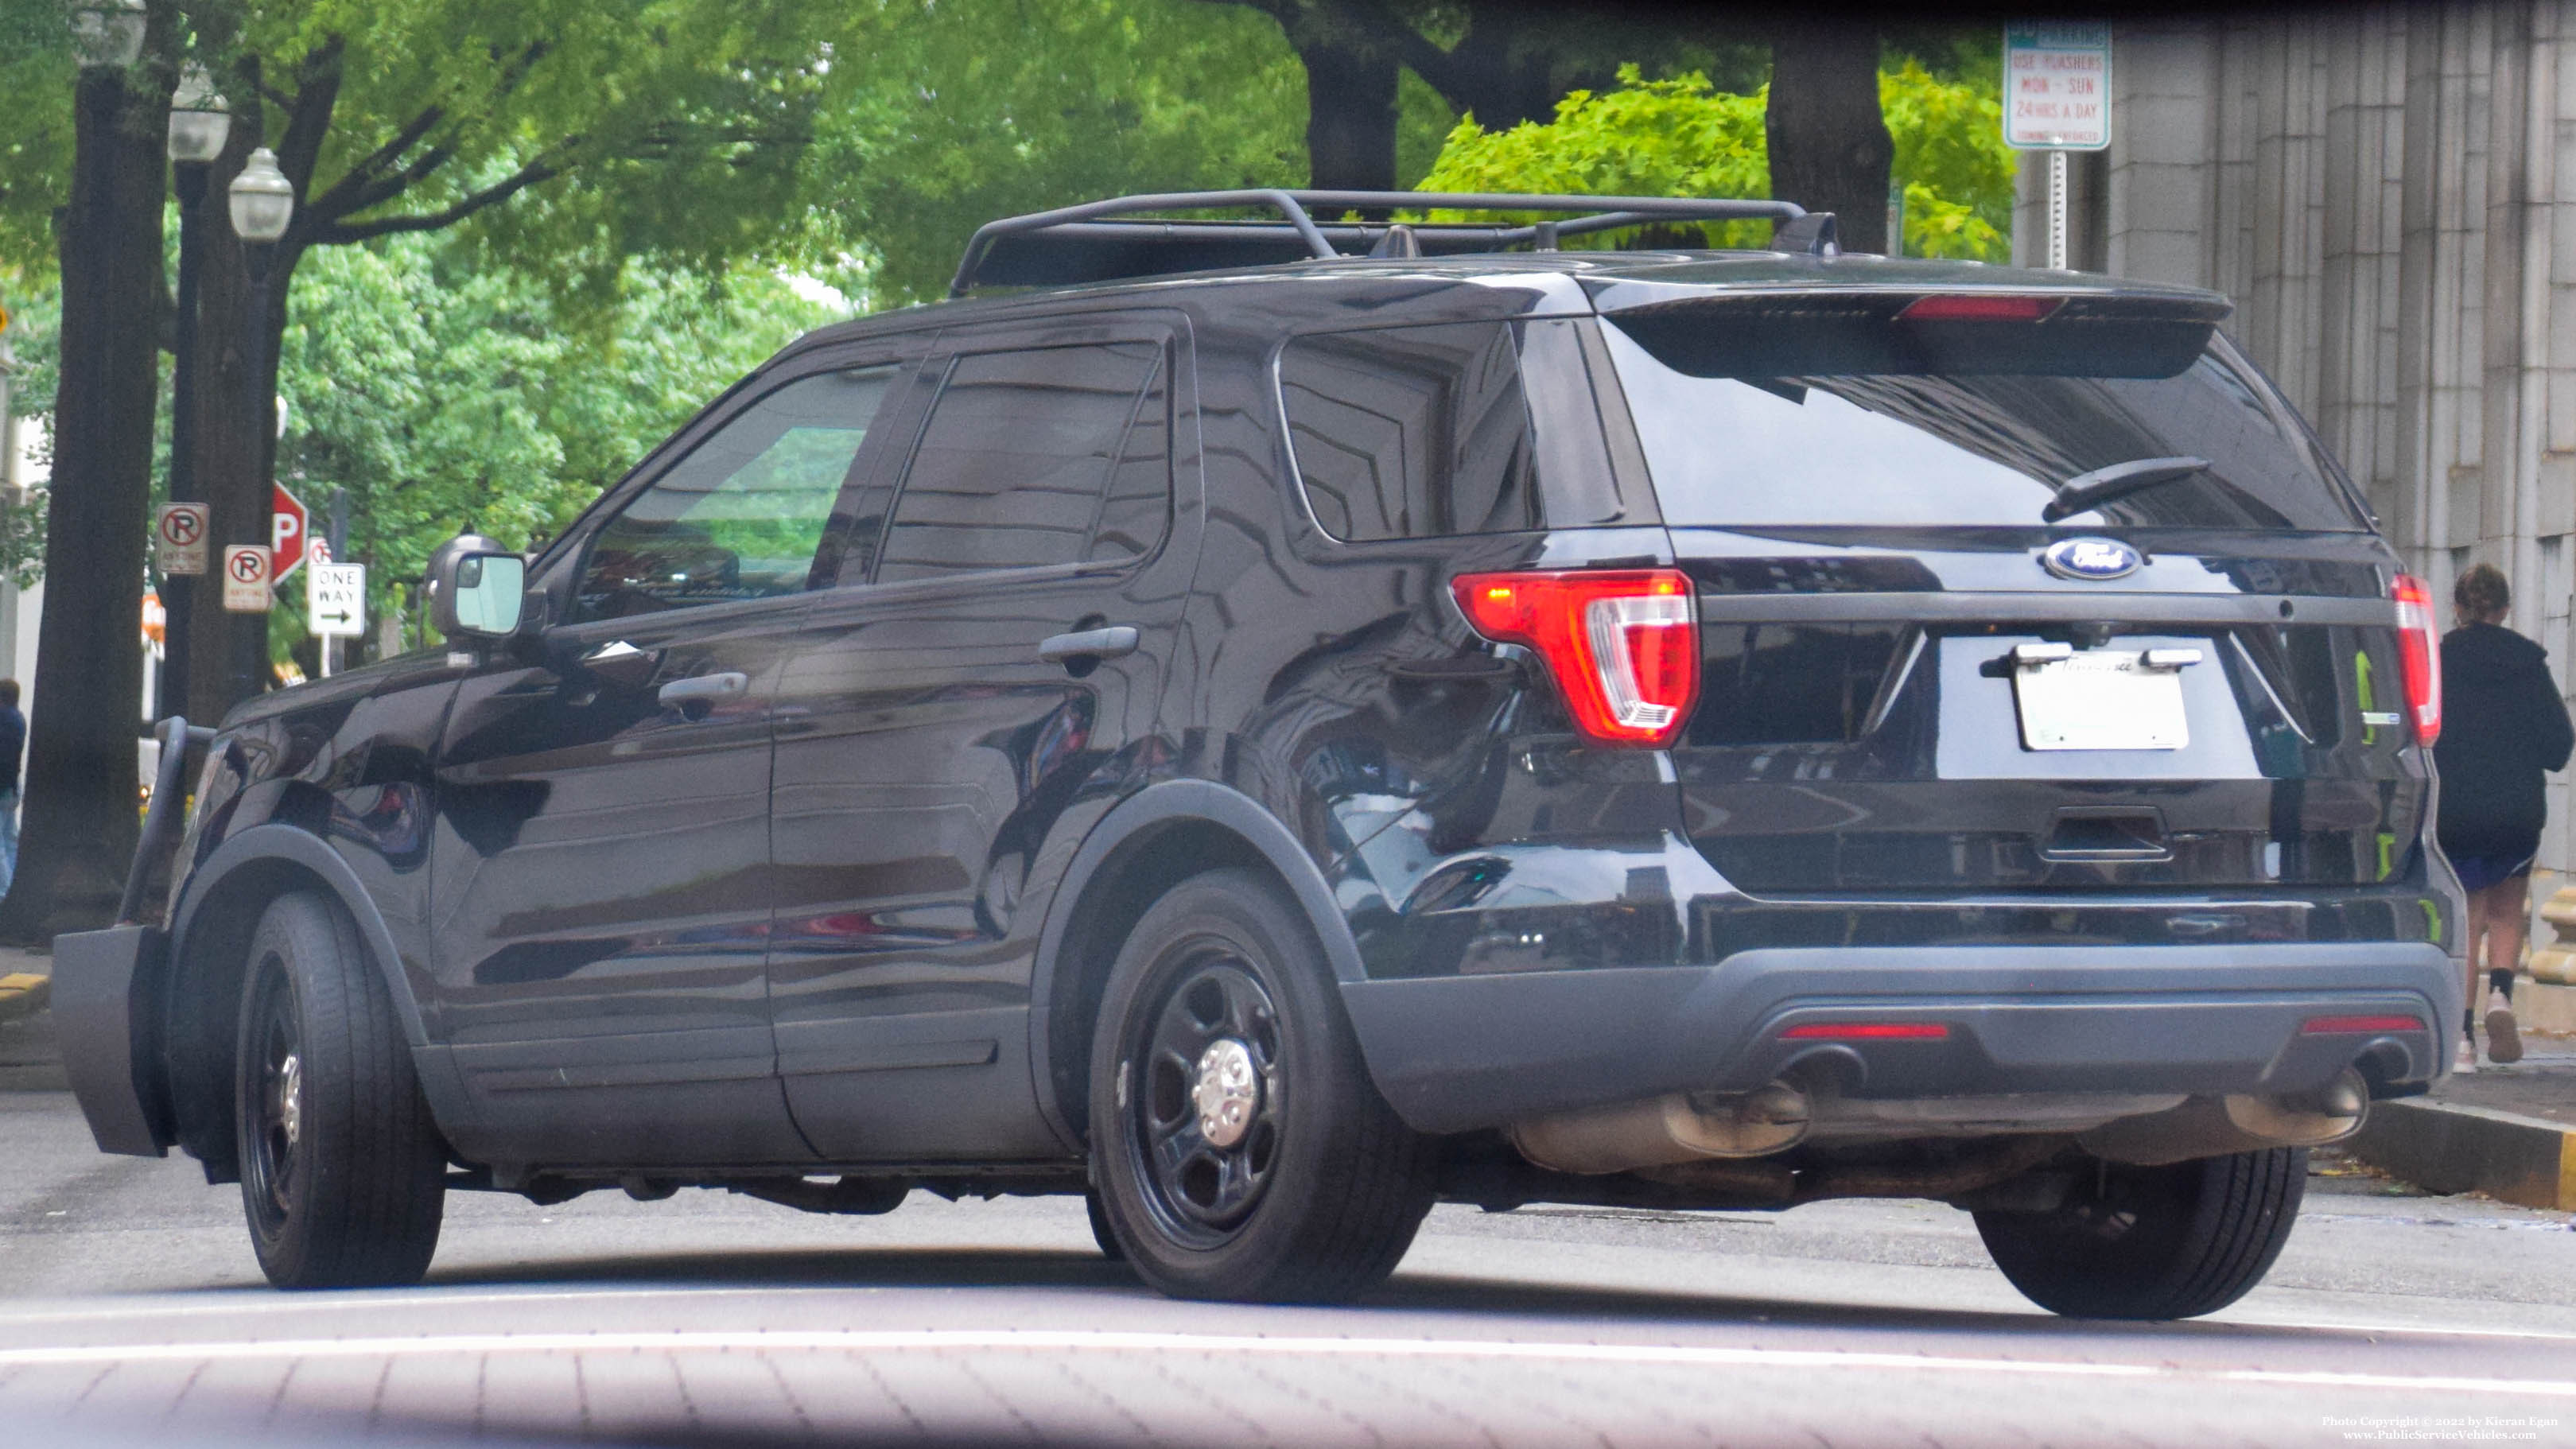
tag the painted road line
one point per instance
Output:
(1109, 1341)
(261, 1303)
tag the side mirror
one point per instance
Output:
(477, 588)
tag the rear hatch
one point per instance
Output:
(2016, 590)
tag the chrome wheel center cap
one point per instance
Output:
(290, 1097)
(1226, 1092)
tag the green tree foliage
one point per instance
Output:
(1683, 137)
(1952, 160)
(445, 396)
(945, 116)
(36, 74)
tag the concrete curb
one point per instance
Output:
(23, 994)
(2453, 1147)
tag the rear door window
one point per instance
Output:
(1034, 457)
(1802, 411)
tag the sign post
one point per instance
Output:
(246, 579)
(2057, 98)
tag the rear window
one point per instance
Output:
(1808, 411)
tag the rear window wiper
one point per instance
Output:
(2118, 480)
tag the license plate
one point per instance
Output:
(2099, 699)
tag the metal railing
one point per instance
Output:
(168, 810)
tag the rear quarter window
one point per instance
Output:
(1447, 429)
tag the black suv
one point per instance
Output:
(1272, 724)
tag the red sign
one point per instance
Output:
(289, 524)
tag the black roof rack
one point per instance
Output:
(1075, 244)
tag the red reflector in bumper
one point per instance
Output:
(1866, 1031)
(2339, 1025)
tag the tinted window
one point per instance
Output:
(741, 515)
(1139, 503)
(1016, 463)
(1410, 432)
(1982, 433)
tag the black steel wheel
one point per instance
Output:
(2172, 1241)
(1240, 1150)
(1210, 1096)
(343, 1173)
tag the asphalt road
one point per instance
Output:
(131, 1313)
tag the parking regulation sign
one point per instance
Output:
(179, 538)
(246, 578)
(335, 599)
(2057, 87)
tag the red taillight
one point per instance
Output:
(1623, 645)
(2341, 1025)
(2419, 649)
(1867, 1031)
(1979, 307)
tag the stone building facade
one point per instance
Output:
(2389, 195)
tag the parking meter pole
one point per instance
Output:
(178, 590)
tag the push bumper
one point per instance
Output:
(1457, 1053)
(103, 987)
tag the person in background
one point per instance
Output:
(2504, 725)
(13, 743)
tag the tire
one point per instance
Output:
(343, 1173)
(2175, 1241)
(1101, 1233)
(1317, 1188)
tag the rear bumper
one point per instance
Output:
(1457, 1053)
(104, 983)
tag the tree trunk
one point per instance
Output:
(1503, 70)
(1350, 115)
(80, 781)
(1830, 150)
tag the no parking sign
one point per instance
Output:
(246, 578)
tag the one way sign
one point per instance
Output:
(335, 599)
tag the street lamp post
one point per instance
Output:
(200, 123)
(263, 202)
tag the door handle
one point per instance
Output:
(705, 688)
(1106, 643)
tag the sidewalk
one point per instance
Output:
(26, 978)
(29, 1060)
(2509, 1132)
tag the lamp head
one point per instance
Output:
(107, 33)
(263, 200)
(200, 119)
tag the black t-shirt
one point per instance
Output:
(2504, 725)
(13, 742)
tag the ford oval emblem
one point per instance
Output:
(2091, 558)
